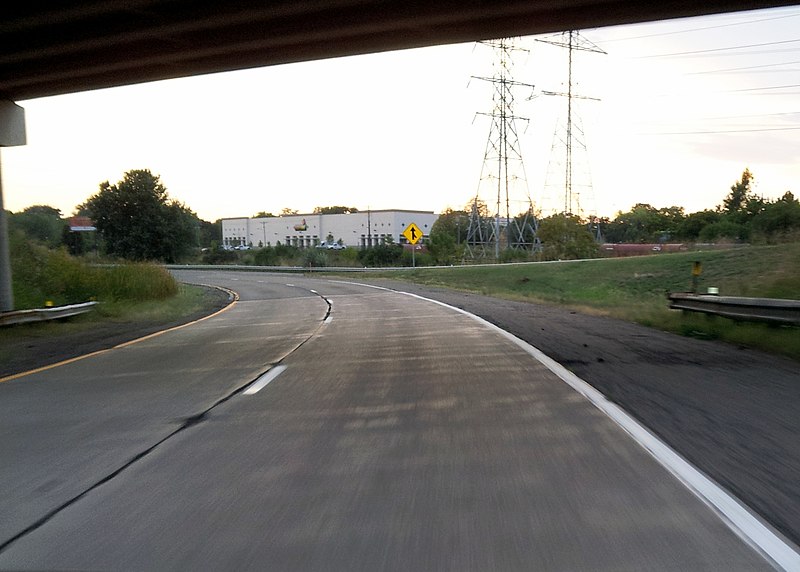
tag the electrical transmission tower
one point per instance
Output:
(503, 184)
(571, 135)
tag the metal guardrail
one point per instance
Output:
(44, 314)
(768, 310)
(287, 269)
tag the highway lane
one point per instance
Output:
(67, 428)
(731, 411)
(401, 436)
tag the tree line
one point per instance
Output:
(137, 220)
(742, 217)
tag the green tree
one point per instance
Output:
(724, 229)
(779, 220)
(138, 221)
(335, 210)
(644, 223)
(381, 255)
(452, 223)
(693, 224)
(41, 223)
(263, 214)
(210, 233)
(566, 237)
(736, 201)
(442, 247)
(740, 207)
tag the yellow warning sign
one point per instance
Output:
(412, 233)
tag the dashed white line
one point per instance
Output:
(262, 381)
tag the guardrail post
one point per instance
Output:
(697, 269)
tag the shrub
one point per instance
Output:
(314, 258)
(41, 275)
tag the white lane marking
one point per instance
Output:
(740, 519)
(262, 381)
(313, 291)
(290, 285)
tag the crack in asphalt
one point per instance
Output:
(187, 422)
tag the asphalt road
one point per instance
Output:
(731, 411)
(401, 435)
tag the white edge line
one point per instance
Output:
(748, 526)
(262, 381)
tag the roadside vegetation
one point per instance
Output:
(126, 292)
(136, 220)
(52, 277)
(130, 296)
(635, 289)
(743, 217)
(138, 227)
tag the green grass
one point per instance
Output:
(134, 294)
(187, 300)
(635, 288)
(44, 277)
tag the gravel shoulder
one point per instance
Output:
(730, 411)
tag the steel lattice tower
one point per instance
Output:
(503, 182)
(571, 134)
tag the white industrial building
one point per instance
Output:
(360, 229)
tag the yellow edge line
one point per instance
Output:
(124, 344)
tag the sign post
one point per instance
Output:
(413, 235)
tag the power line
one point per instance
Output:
(749, 116)
(746, 68)
(701, 28)
(719, 49)
(740, 54)
(759, 130)
(761, 88)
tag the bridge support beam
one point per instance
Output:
(12, 133)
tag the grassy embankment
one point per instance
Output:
(635, 289)
(125, 293)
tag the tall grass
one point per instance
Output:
(635, 289)
(43, 277)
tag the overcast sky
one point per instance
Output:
(679, 109)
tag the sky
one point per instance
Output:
(671, 114)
